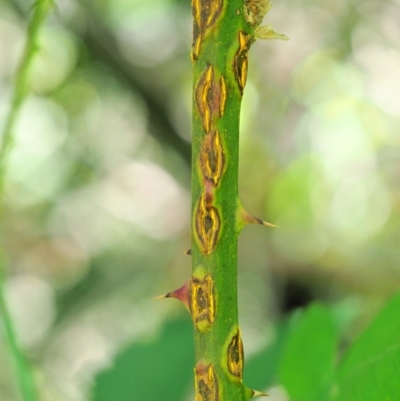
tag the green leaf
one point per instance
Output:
(261, 370)
(306, 369)
(160, 370)
(371, 369)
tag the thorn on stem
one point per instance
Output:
(161, 297)
(250, 393)
(181, 294)
(259, 394)
(250, 219)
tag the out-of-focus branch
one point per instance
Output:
(101, 46)
(40, 11)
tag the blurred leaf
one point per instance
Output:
(370, 370)
(290, 196)
(306, 369)
(151, 371)
(261, 371)
(296, 202)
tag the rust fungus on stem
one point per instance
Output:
(235, 355)
(213, 10)
(202, 93)
(240, 61)
(212, 159)
(222, 101)
(205, 15)
(210, 96)
(206, 383)
(207, 225)
(202, 302)
(196, 11)
(216, 97)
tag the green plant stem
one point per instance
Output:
(223, 31)
(221, 40)
(41, 8)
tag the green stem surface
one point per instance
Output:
(221, 40)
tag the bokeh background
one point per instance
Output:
(97, 198)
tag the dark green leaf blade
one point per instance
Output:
(151, 371)
(371, 369)
(261, 371)
(306, 369)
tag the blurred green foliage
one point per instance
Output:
(306, 367)
(170, 358)
(261, 371)
(303, 358)
(369, 370)
(95, 213)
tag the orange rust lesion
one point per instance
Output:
(213, 10)
(205, 16)
(196, 10)
(212, 158)
(207, 225)
(222, 101)
(202, 96)
(210, 96)
(216, 97)
(206, 383)
(195, 46)
(202, 302)
(240, 63)
(197, 37)
(235, 355)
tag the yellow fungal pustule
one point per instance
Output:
(207, 226)
(210, 96)
(240, 61)
(205, 15)
(222, 101)
(235, 355)
(216, 97)
(206, 384)
(212, 159)
(202, 302)
(195, 46)
(202, 93)
(213, 9)
(196, 10)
